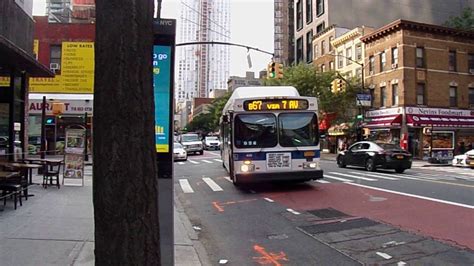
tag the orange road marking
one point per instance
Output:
(269, 258)
(216, 205)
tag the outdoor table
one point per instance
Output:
(5, 175)
(27, 167)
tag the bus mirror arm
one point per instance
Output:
(225, 118)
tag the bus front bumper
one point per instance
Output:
(280, 176)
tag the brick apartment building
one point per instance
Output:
(421, 75)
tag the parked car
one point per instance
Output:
(464, 160)
(179, 153)
(373, 155)
(211, 143)
(191, 143)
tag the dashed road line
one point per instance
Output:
(181, 163)
(352, 176)
(293, 211)
(193, 162)
(323, 181)
(218, 160)
(213, 185)
(384, 255)
(377, 175)
(268, 199)
(337, 178)
(206, 161)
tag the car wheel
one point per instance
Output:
(400, 170)
(340, 162)
(370, 165)
(201, 152)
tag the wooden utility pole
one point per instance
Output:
(125, 184)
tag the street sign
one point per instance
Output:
(364, 99)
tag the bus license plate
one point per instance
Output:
(279, 160)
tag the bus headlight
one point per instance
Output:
(247, 167)
(310, 165)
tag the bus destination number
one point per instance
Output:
(265, 105)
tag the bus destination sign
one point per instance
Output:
(275, 105)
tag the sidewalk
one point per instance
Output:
(415, 163)
(56, 227)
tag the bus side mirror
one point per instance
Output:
(225, 119)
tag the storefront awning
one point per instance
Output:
(13, 57)
(439, 121)
(383, 121)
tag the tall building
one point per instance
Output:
(313, 16)
(204, 67)
(284, 32)
(70, 11)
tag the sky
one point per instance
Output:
(251, 25)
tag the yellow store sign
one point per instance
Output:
(76, 74)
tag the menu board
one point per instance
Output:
(74, 153)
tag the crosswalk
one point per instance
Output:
(218, 184)
(198, 162)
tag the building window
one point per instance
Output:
(323, 68)
(394, 94)
(319, 7)
(340, 60)
(383, 97)
(299, 50)
(470, 63)
(453, 99)
(323, 47)
(420, 57)
(309, 11)
(383, 61)
(331, 38)
(320, 28)
(471, 97)
(359, 72)
(299, 14)
(395, 56)
(348, 56)
(316, 51)
(420, 94)
(331, 65)
(371, 64)
(359, 52)
(55, 58)
(452, 60)
(309, 50)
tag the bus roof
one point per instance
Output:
(261, 91)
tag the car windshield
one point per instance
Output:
(298, 129)
(389, 146)
(190, 138)
(212, 138)
(177, 146)
(255, 131)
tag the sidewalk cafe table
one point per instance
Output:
(26, 167)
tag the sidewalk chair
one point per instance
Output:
(11, 189)
(50, 173)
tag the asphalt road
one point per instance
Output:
(351, 217)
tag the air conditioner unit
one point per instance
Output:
(394, 66)
(54, 66)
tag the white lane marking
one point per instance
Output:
(213, 153)
(185, 186)
(227, 178)
(353, 176)
(375, 175)
(323, 181)
(213, 185)
(218, 160)
(415, 196)
(181, 163)
(384, 255)
(337, 178)
(206, 161)
(408, 176)
(293, 211)
(193, 162)
(269, 200)
(401, 263)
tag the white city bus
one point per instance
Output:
(270, 133)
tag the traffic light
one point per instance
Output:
(338, 85)
(279, 71)
(50, 121)
(271, 70)
(360, 117)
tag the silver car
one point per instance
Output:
(179, 153)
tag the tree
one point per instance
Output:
(463, 22)
(125, 184)
(215, 111)
(201, 123)
(310, 82)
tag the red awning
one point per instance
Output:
(383, 121)
(440, 121)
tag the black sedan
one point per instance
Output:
(373, 155)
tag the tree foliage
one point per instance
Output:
(310, 82)
(465, 21)
(209, 122)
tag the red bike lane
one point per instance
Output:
(442, 221)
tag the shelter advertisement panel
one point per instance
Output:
(162, 85)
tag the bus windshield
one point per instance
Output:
(298, 129)
(255, 131)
